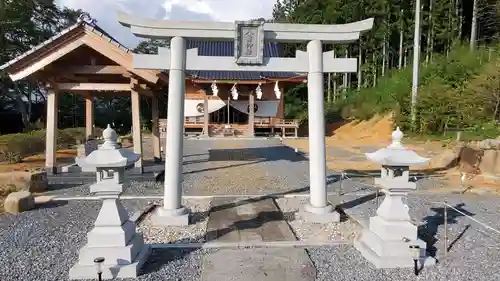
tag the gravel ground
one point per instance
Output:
(473, 249)
(315, 231)
(344, 262)
(194, 233)
(46, 240)
(43, 244)
(262, 166)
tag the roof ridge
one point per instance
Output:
(83, 20)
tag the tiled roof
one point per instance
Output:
(89, 25)
(218, 49)
(205, 48)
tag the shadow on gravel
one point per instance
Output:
(266, 154)
(50, 204)
(161, 257)
(429, 230)
(255, 155)
(358, 201)
(414, 176)
(62, 186)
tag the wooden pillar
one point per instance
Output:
(251, 115)
(156, 129)
(51, 131)
(136, 123)
(89, 116)
(205, 116)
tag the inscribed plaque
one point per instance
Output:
(249, 42)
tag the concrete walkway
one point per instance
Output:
(252, 220)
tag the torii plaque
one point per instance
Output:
(249, 38)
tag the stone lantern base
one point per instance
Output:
(383, 250)
(114, 238)
(87, 270)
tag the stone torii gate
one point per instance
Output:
(249, 37)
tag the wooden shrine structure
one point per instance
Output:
(83, 59)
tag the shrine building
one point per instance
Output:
(229, 95)
(83, 59)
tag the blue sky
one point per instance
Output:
(104, 11)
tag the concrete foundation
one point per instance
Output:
(313, 214)
(110, 271)
(390, 253)
(177, 217)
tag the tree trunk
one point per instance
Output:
(405, 62)
(344, 82)
(428, 52)
(448, 33)
(329, 89)
(384, 55)
(458, 12)
(401, 37)
(374, 70)
(334, 82)
(473, 31)
(21, 106)
(360, 63)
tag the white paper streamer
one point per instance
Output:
(258, 92)
(234, 92)
(215, 90)
(277, 91)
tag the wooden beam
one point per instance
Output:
(119, 56)
(40, 64)
(97, 69)
(93, 86)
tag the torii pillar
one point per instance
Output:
(249, 40)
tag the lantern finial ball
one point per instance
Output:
(397, 136)
(109, 133)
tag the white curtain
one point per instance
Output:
(265, 108)
(191, 110)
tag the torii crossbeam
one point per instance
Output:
(249, 37)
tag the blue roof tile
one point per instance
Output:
(226, 49)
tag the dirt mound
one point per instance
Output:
(376, 131)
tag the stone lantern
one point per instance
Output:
(391, 234)
(114, 236)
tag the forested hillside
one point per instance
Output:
(459, 85)
(459, 68)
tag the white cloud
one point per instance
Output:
(104, 11)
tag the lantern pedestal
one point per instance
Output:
(387, 253)
(114, 235)
(391, 237)
(386, 244)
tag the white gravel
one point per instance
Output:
(193, 233)
(43, 244)
(344, 231)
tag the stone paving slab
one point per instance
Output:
(257, 265)
(247, 220)
(252, 220)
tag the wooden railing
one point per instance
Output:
(277, 122)
(269, 121)
(193, 120)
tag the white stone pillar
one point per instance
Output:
(206, 116)
(173, 213)
(156, 129)
(251, 115)
(318, 209)
(51, 131)
(136, 126)
(89, 116)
